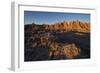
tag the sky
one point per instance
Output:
(39, 17)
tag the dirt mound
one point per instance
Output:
(71, 51)
(68, 50)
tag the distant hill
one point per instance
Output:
(70, 26)
(63, 26)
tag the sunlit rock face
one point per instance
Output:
(70, 26)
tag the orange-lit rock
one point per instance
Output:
(70, 26)
(71, 51)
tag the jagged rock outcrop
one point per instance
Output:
(70, 26)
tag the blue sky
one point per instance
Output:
(53, 17)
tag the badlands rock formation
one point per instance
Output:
(70, 26)
(63, 40)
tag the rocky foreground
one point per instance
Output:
(64, 40)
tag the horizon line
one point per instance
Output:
(57, 22)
